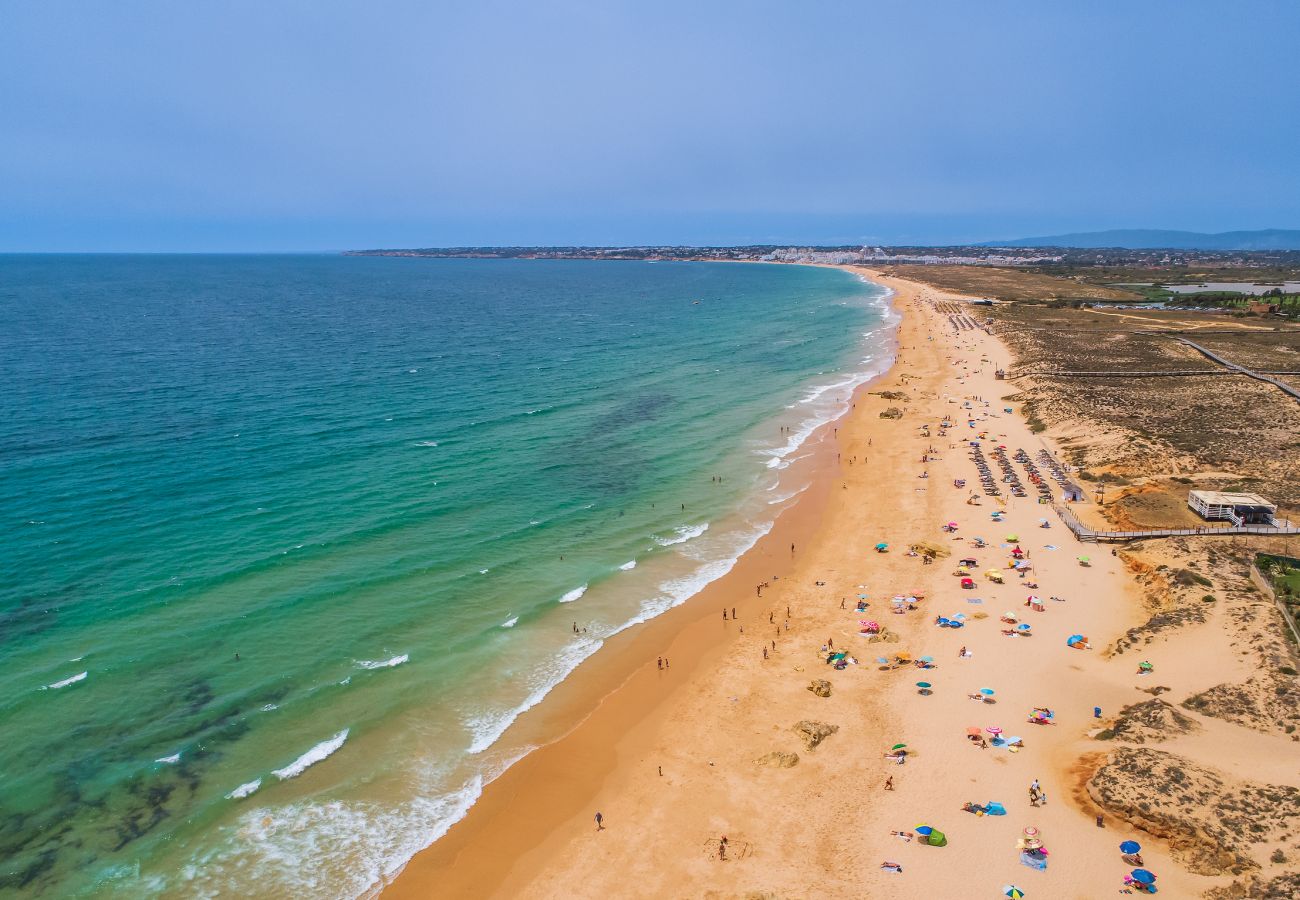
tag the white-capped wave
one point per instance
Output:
(677, 591)
(168, 760)
(321, 751)
(628, 566)
(244, 789)
(426, 443)
(383, 663)
(65, 682)
(574, 594)
(510, 622)
(483, 571)
(682, 533)
(487, 727)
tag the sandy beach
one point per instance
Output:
(675, 759)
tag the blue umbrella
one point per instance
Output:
(927, 659)
(1130, 847)
(1023, 626)
(923, 830)
(987, 692)
(1142, 876)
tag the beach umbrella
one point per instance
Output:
(973, 731)
(1010, 890)
(1142, 876)
(924, 684)
(987, 692)
(1074, 639)
(1083, 559)
(1012, 537)
(882, 660)
(994, 730)
(1023, 626)
(898, 747)
(1130, 847)
(927, 659)
(924, 830)
(881, 546)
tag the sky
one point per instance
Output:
(321, 125)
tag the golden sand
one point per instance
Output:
(823, 827)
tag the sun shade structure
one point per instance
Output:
(1130, 847)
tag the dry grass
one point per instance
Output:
(1008, 284)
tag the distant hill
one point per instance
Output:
(1154, 239)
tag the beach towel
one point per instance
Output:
(1033, 860)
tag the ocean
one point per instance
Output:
(291, 541)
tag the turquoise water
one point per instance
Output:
(291, 541)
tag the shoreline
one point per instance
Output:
(620, 689)
(674, 767)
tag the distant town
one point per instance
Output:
(969, 255)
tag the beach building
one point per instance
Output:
(1239, 509)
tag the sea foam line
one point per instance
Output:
(321, 751)
(682, 534)
(383, 663)
(575, 594)
(65, 682)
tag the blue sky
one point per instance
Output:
(324, 125)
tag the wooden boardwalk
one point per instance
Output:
(1092, 536)
(1259, 376)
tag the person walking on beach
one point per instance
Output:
(724, 615)
(889, 783)
(661, 664)
(600, 821)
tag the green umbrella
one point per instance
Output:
(898, 747)
(924, 684)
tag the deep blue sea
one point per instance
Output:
(290, 541)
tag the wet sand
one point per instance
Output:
(823, 826)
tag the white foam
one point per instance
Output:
(65, 682)
(355, 847)
(682, 534)
(244, 789)
(628, 566)
(168, 760)
(575, 594)
(510, 623)
(785, 497)
(677, 591)
(488, 727)
(426, 443)
(383, 663)
(321, 751)
(270, 707)
(482, 571)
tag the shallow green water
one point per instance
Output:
(316, 529)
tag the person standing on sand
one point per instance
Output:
(889, 783)
(600, 821)
(661, 664)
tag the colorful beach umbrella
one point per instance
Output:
(1130, 847)
(1010, 890)
(994, 730)
(1142, 876)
